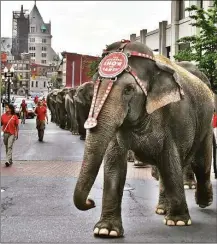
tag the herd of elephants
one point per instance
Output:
(168, 128)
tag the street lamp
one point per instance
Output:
(9, 74)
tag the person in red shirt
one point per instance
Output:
(23, 111)
(10, 128)
(36, 99)
(41, 112)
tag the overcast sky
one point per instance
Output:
(86, 27)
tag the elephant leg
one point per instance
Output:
(130, 156)
(202, 170)
(154, 172)
(188, 176)
(115, 169)
(162, 202)
(172, 188)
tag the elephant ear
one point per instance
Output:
(164, 89)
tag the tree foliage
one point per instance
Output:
(93, 68)
(202, 48)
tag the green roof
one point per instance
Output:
(43, 27)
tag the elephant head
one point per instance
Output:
(84, 93)
(61, 95)
(137, 92)
(71, 92)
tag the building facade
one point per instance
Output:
(40, 39)
(75, 68)
(164, 39)
(22, 73)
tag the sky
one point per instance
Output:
(86, 27)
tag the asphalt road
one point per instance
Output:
(58, 144)
(37, 206)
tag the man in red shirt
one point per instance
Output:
(36, 99)
(10, 123)
(23, 111)
(41, 112)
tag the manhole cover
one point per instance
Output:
(2, 190)
(128, 188)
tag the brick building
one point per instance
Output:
(74, 68)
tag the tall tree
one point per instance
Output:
(93, 68)
(202, 48)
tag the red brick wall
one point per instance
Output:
(79, 76)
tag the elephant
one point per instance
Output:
(70, 109)
(188, 175)
(162, 113)
(51, 103)
(83, 98)
(61, 110)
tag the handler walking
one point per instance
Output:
(10, 123)
(41, 112)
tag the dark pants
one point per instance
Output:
(40, 126)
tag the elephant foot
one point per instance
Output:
(140, 164)
(182, 220)
(82, 138)
(204, 195)
(160, 209)
(190, 184)
(109, 228)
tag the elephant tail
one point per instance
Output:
(214, 156)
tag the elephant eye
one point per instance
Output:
(128, 89)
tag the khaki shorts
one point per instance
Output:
(40, 124)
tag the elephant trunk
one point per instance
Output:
(96, 143)
(95, 147)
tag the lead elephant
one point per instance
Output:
(161, 112)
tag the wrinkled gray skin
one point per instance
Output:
(188, 175)
(51, 103)
(83, 98)
(61, 111)
(163, 128)
(71, 111)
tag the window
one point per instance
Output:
(36, 84)
(32, 29)
(44, 49)
(43, 61)
(44, 40)
(181, 9)
(44, 55)
(32, 48)
(20, 66)
(32, 54)
(20, 83)
(32, 83)
(44, 83)
(27, 66)
(32, 39)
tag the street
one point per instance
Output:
(37, 203)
